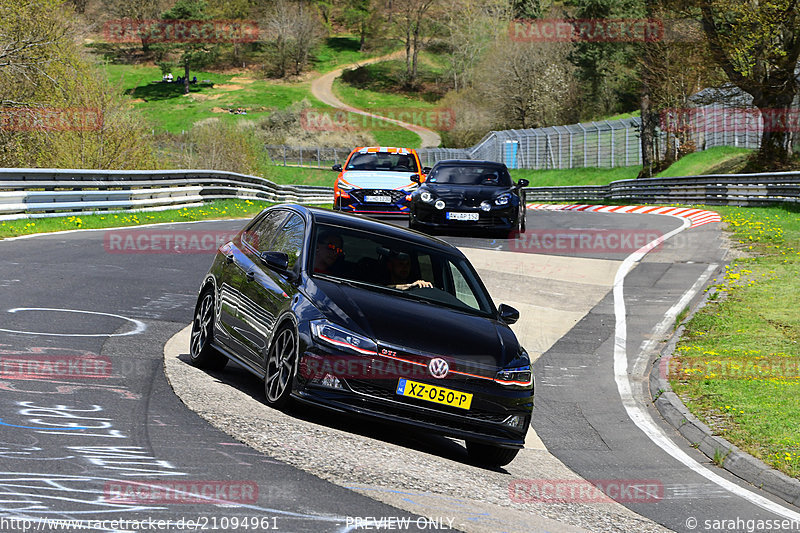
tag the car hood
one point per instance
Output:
(378, 179)
(466, 192)
(421, 328)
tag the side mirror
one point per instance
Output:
(508, 314)
(337, 167)
(523, 183)
(426, 170)
(276, 260)
(415, 178)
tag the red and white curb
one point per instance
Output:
(697, 217)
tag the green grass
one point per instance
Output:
(739, 359)
(220, 209)
(718, 160)
(166, 108)
(341, 50)
(299, 176)
(620, 116)
(216, 210)
(575, 176)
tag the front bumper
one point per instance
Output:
(428, 216)
(494, 407)
(355, 201)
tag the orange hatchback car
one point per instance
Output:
(378, 180)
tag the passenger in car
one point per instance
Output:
(328, 254)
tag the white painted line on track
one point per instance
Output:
(139, 325)
(638, 412)
(643, 358)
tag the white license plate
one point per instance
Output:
(462, 216)
(378, 199)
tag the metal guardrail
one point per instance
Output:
(33, 192)
(717, 189)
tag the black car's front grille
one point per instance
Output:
(387, 394)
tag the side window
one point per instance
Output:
(260, 235)
(463, 291)
(425, 267)
(290, 239)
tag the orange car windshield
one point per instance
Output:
(383, 161)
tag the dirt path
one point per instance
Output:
(322, 89)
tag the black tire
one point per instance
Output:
(280, 367)
(488, 455)
(523, 219)
(201, 352)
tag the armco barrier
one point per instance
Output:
(721, 189)
(33, 193)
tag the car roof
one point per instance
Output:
(326, 216)
(468, 163)
(384, 149)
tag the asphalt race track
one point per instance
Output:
(91, 430)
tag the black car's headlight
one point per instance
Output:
(520, 376)
(503, 199)
(333, 335)
(426, 197)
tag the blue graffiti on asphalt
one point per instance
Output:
(40, 428)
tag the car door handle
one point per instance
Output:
(229, 258)
(251, 275)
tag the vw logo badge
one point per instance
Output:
(438, 368)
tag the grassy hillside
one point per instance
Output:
(167, 108)
(719, 160)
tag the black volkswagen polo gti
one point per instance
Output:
(469, 195)
(368, 318)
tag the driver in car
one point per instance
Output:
(399, 267)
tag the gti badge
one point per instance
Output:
(438, 368)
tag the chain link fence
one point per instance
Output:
(603, 144)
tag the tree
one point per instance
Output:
(471, 27)
(414, 23)
(74, 118)
(607, 70)
(193, 53)
(672, 70)
(757, 45)
(136, 10)
(295, 29)
(361, 17)
(528, 85)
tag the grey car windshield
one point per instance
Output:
(470, 175)
(373, 261)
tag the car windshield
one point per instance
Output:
(470, 175)
(385, 264)
(382, 161)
